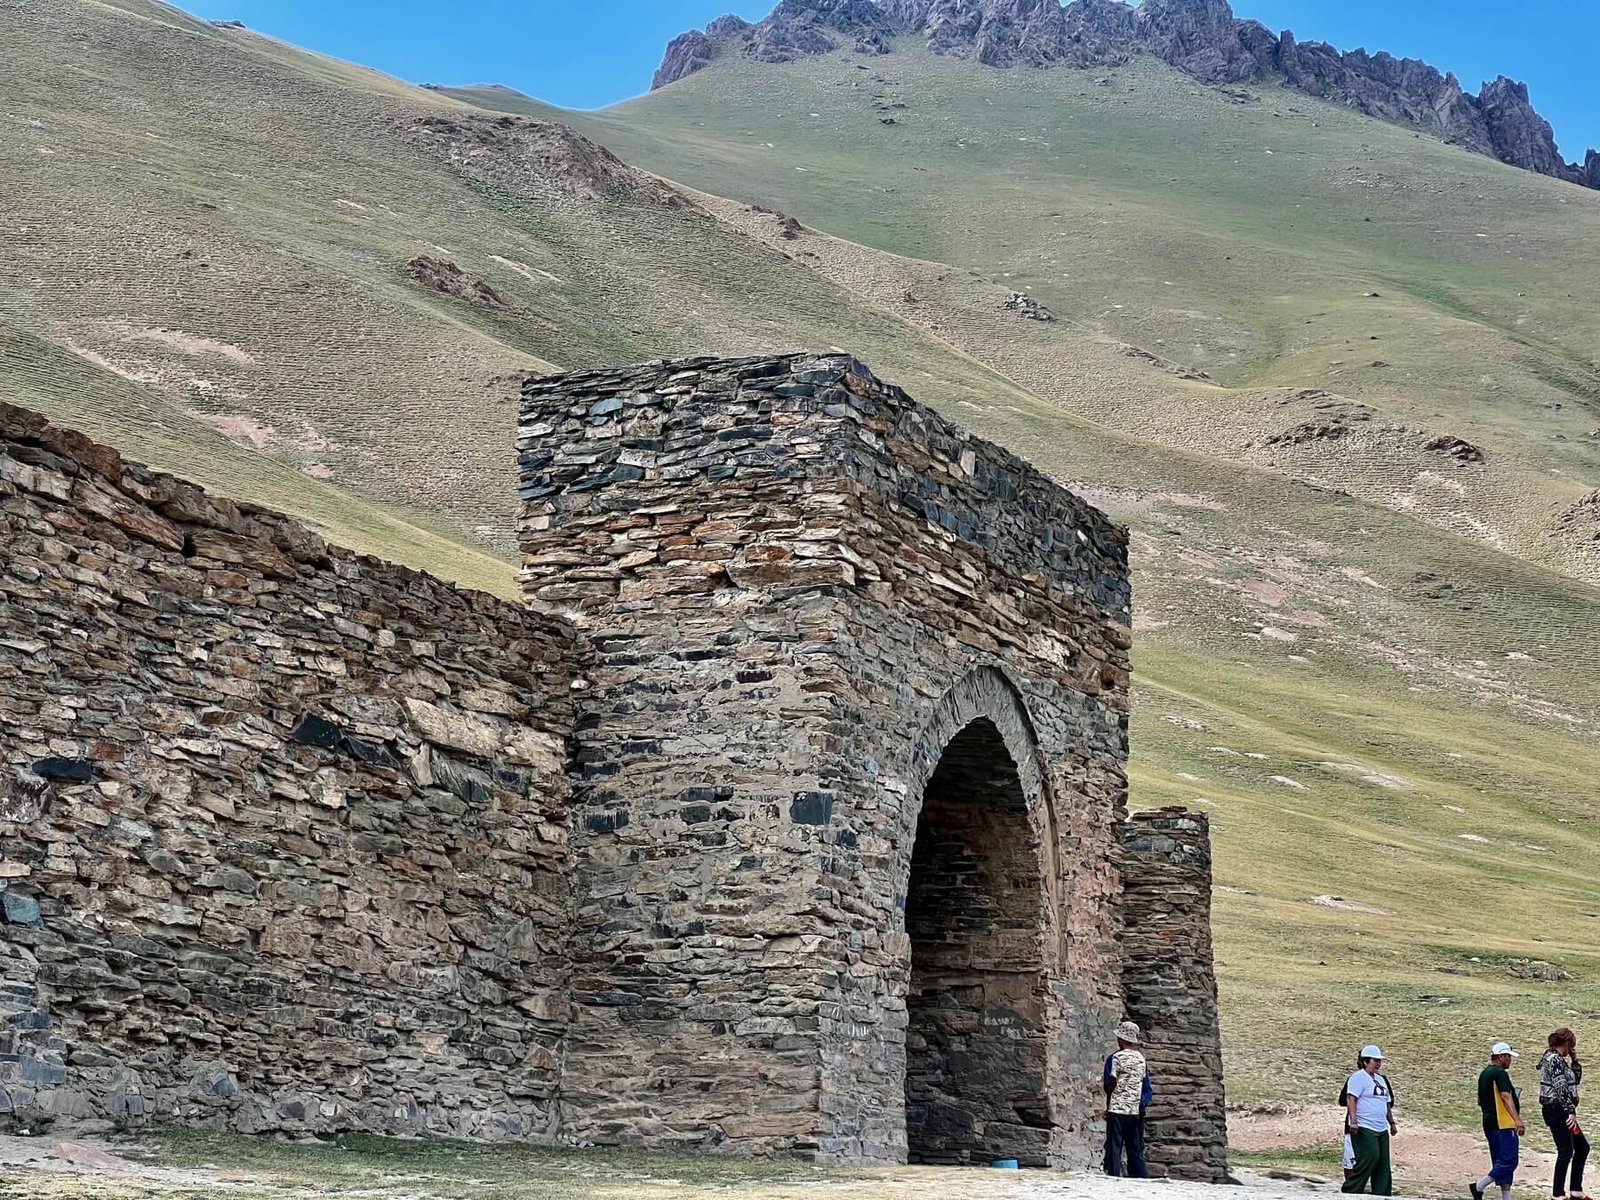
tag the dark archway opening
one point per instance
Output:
(975, 1034)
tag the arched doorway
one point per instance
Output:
(976, 1045)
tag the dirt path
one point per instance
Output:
(90, 1156)
(94, 1168)
(1427, 1158)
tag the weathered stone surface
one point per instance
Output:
(847, 821)
(1454, 447)
(443, 276)
(686, 54)
(1025, 305)
(225, 900)
(1169, 980)
(792, 820)
(1200, 37)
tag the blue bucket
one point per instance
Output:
(1005, 1164)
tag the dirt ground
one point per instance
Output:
(1278, 1155)
(1427, 1159)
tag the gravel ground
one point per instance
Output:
(91, 1167)
(1429, 1162)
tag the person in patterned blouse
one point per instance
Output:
(1127, 1084)
(1560, 1074)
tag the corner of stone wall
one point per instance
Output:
(1170, 988)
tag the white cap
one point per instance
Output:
(1502, 1048)
(1128, 1032)
(1371, 1052)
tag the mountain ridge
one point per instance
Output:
(1202, 38)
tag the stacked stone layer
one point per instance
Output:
(1170, 983)
(282, 830)
(802, 585)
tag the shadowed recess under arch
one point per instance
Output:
(976, 1044)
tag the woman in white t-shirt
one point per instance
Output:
(1369, 1121)
(1348, 1160)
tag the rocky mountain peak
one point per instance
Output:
(1520, 135)
(728, 26)
(1203, 38)
(1200, 37)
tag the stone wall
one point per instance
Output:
(802, 588)
(791, 819)
(282, 829)
(1171, 988)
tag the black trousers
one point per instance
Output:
(1572, 1150)
(1124, 1132)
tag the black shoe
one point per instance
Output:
(1473, 1188)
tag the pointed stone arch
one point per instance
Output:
(979, 919)
(988, 693)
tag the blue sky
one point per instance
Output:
(589, 53)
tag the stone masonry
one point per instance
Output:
(283, 830)
(787, 818)
(847, 819)
(1170, 988)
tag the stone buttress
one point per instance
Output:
(1170, 988)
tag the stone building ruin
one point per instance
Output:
(787, 816)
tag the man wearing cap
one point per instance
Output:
(1369, 1120)
(1502, 1121)
(1127, 1083)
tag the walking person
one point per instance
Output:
(1127, 1084)
(1502, 1121)
(1348, 1159)
(1560, 1074)
(1369, 1117)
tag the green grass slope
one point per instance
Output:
(1372, 666)
(1336, 632)
(1241, 239)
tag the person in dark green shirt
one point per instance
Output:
(1502, 1121)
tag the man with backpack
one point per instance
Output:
(1369, 1117)
(1126, 1079)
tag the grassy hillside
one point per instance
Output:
(1332, 655)
(1373, 664)
(1240, 239)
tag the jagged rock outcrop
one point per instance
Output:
(686, 54)
(1025, 305)
(1518, 134)
(727, 26)
(1402, 90)
(1200, 37)
(794, 29)
(1581, 522)
(443, 276)
(1454, 447)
